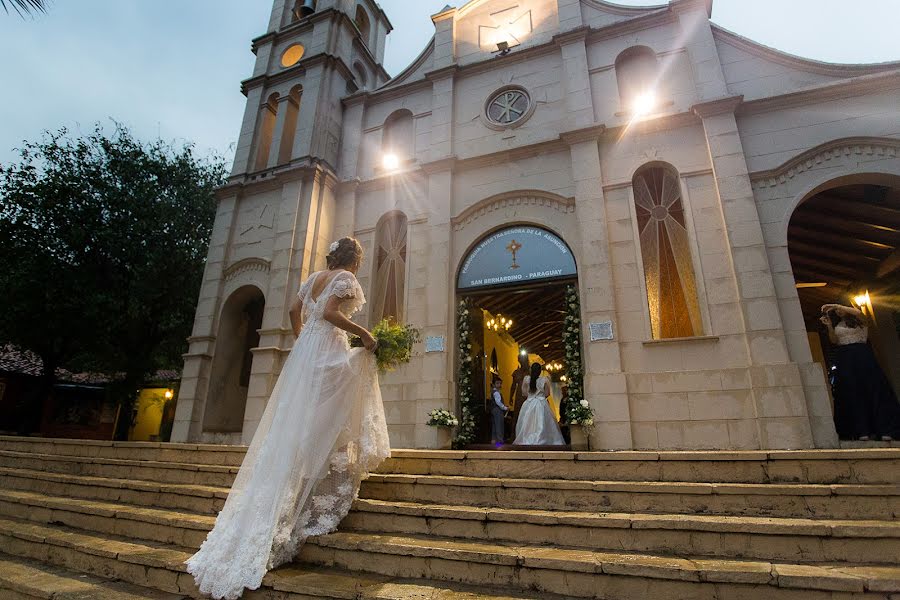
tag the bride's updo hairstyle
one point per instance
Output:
(346, 253)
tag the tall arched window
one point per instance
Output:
(266, 129)
(390, 267)
(636, 74)
(399, 135)
(292, 106)
(362, 23)
(666, 252)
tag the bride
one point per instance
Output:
(536, 425)
(322, 431)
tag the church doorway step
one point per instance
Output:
(844, 247)
(512, 328)
(514, 282)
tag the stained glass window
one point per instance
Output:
(390, 269)
(665, 248)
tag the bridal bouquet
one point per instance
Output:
(395, 344)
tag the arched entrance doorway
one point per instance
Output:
(239, 323)
(514, 283)
(844, 247)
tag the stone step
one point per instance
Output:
(796, 540)
(874, 465)
(194, 498)
(592, 574)
(161, 568)
(858, 465)
(186, 530)
(144, 470)
(27, 579)
(207, 454)
(835, 501)
(759, 538)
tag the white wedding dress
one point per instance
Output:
(322, 431)
(536, 425)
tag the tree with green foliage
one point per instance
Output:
(24, 7)
(102, 247)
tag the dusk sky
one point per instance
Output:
(172, 68)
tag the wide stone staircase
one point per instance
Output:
(84, 519)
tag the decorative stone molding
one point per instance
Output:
(517, 198)
(717, 107)
(857, 146)
(246, 265)
(797, 62)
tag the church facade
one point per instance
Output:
(665, 160)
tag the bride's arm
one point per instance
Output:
(334, 316)
(296, 314)
(547, 388)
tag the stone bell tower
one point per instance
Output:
(276, 214)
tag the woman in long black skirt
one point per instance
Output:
(865, 405)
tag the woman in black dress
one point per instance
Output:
(865, 405)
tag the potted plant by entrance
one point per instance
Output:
(444, 421)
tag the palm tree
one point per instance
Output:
(24, 7)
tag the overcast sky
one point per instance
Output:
(172, 68)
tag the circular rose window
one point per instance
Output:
(508, 107)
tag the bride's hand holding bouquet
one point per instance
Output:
(392, 344)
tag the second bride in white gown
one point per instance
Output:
(536, 425)
(322, 431)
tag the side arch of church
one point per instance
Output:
(778, 192)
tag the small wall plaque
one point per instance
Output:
(434, 343)
(601, 331)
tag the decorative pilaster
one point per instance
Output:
(575, 79)
(604, 381)
(782, 414)
(193, 391)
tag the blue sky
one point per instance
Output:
(172, 68)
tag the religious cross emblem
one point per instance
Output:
(508, 107)
(507, 25)
(512, 248)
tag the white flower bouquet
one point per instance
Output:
(442, 418)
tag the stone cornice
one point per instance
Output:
(797, 62)
(348, 186)
(439, 166)
(297, 70)
(246, 265)
(620, 9)
(274, 178)
(443, 73)
(385, 94)
(579, 34)
(587, 134)
(514, 198)
(717, 107)
(685, 5)
(660, 122)
(829, 91)
(447, 13)
(814, 157)
(661, 16)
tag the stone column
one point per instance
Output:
(782, 413)
(194, 388)
(604, 381)
(279, 131)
